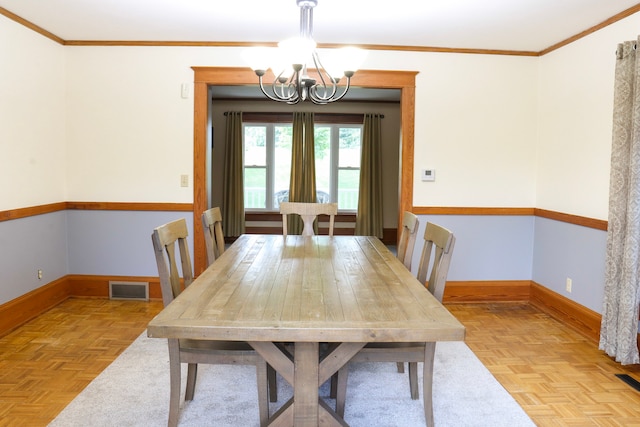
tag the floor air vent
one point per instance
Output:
(129, 290)
(629, 380)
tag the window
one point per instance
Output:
(267, 164)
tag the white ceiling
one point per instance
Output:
(521, 25)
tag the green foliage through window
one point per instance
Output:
(267, 160)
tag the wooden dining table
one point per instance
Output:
(344, 291)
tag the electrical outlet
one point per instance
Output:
(184, 180)
(39, 274)
(569, 284)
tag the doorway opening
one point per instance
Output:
(234, 76)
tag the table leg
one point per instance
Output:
(306, 374)
(305, 388)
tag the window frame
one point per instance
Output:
(271, 120)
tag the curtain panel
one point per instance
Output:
(233, 190)
(302, 183)
(619, 328)
(369, 216)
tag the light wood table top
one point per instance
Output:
(266, 289)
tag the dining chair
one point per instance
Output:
(213, 236)
(432, 272)
(308, 212)
(406, 244)
(407, 241)
(166, 239)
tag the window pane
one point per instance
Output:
(349, 148)
(348, 184)
(255, 187)
(322, 147)
(282, 164)
(255, 172)
(255, 145)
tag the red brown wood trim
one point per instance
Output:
(322, 118)
(31, 211)
(606, 23)
(204, 76)
(127, 206)
(598, 224)
(93, 206)
(30, 305)
(400, 48)
(273, 216)
(262, 216)
(90, 286)
(487, 291)
(31, 26)
(628, 12)
(277, 217)
(442, 210)
(569, 312)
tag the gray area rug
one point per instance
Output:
(134, 391)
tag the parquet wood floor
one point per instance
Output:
(559, 377)
(48, 361)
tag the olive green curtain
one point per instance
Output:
(369, 216)
(302, 184)
(233, 190)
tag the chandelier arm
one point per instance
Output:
(272, 97)
(321, 101)
(321, 73)
(285, 92)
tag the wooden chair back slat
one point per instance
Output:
(166, 239)
(213, 235)
(407, 241)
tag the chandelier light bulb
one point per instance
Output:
(259, 58)
(297, 50)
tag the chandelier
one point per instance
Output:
(293, 82)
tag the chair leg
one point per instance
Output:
(341, 389)
(400, 367)
(174, 387)
(273, 385)
(263, 393)
(427, 382)
(192, 374)
(333, 390)
(413, 380)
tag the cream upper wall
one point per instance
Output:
(131, 133)
(575, 122)
(32, 118)
(475, 127)
(495, 128)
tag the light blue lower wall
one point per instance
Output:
(28, 245)
(487, 247)
(564, 251)
(116, 243)
(525, 248)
